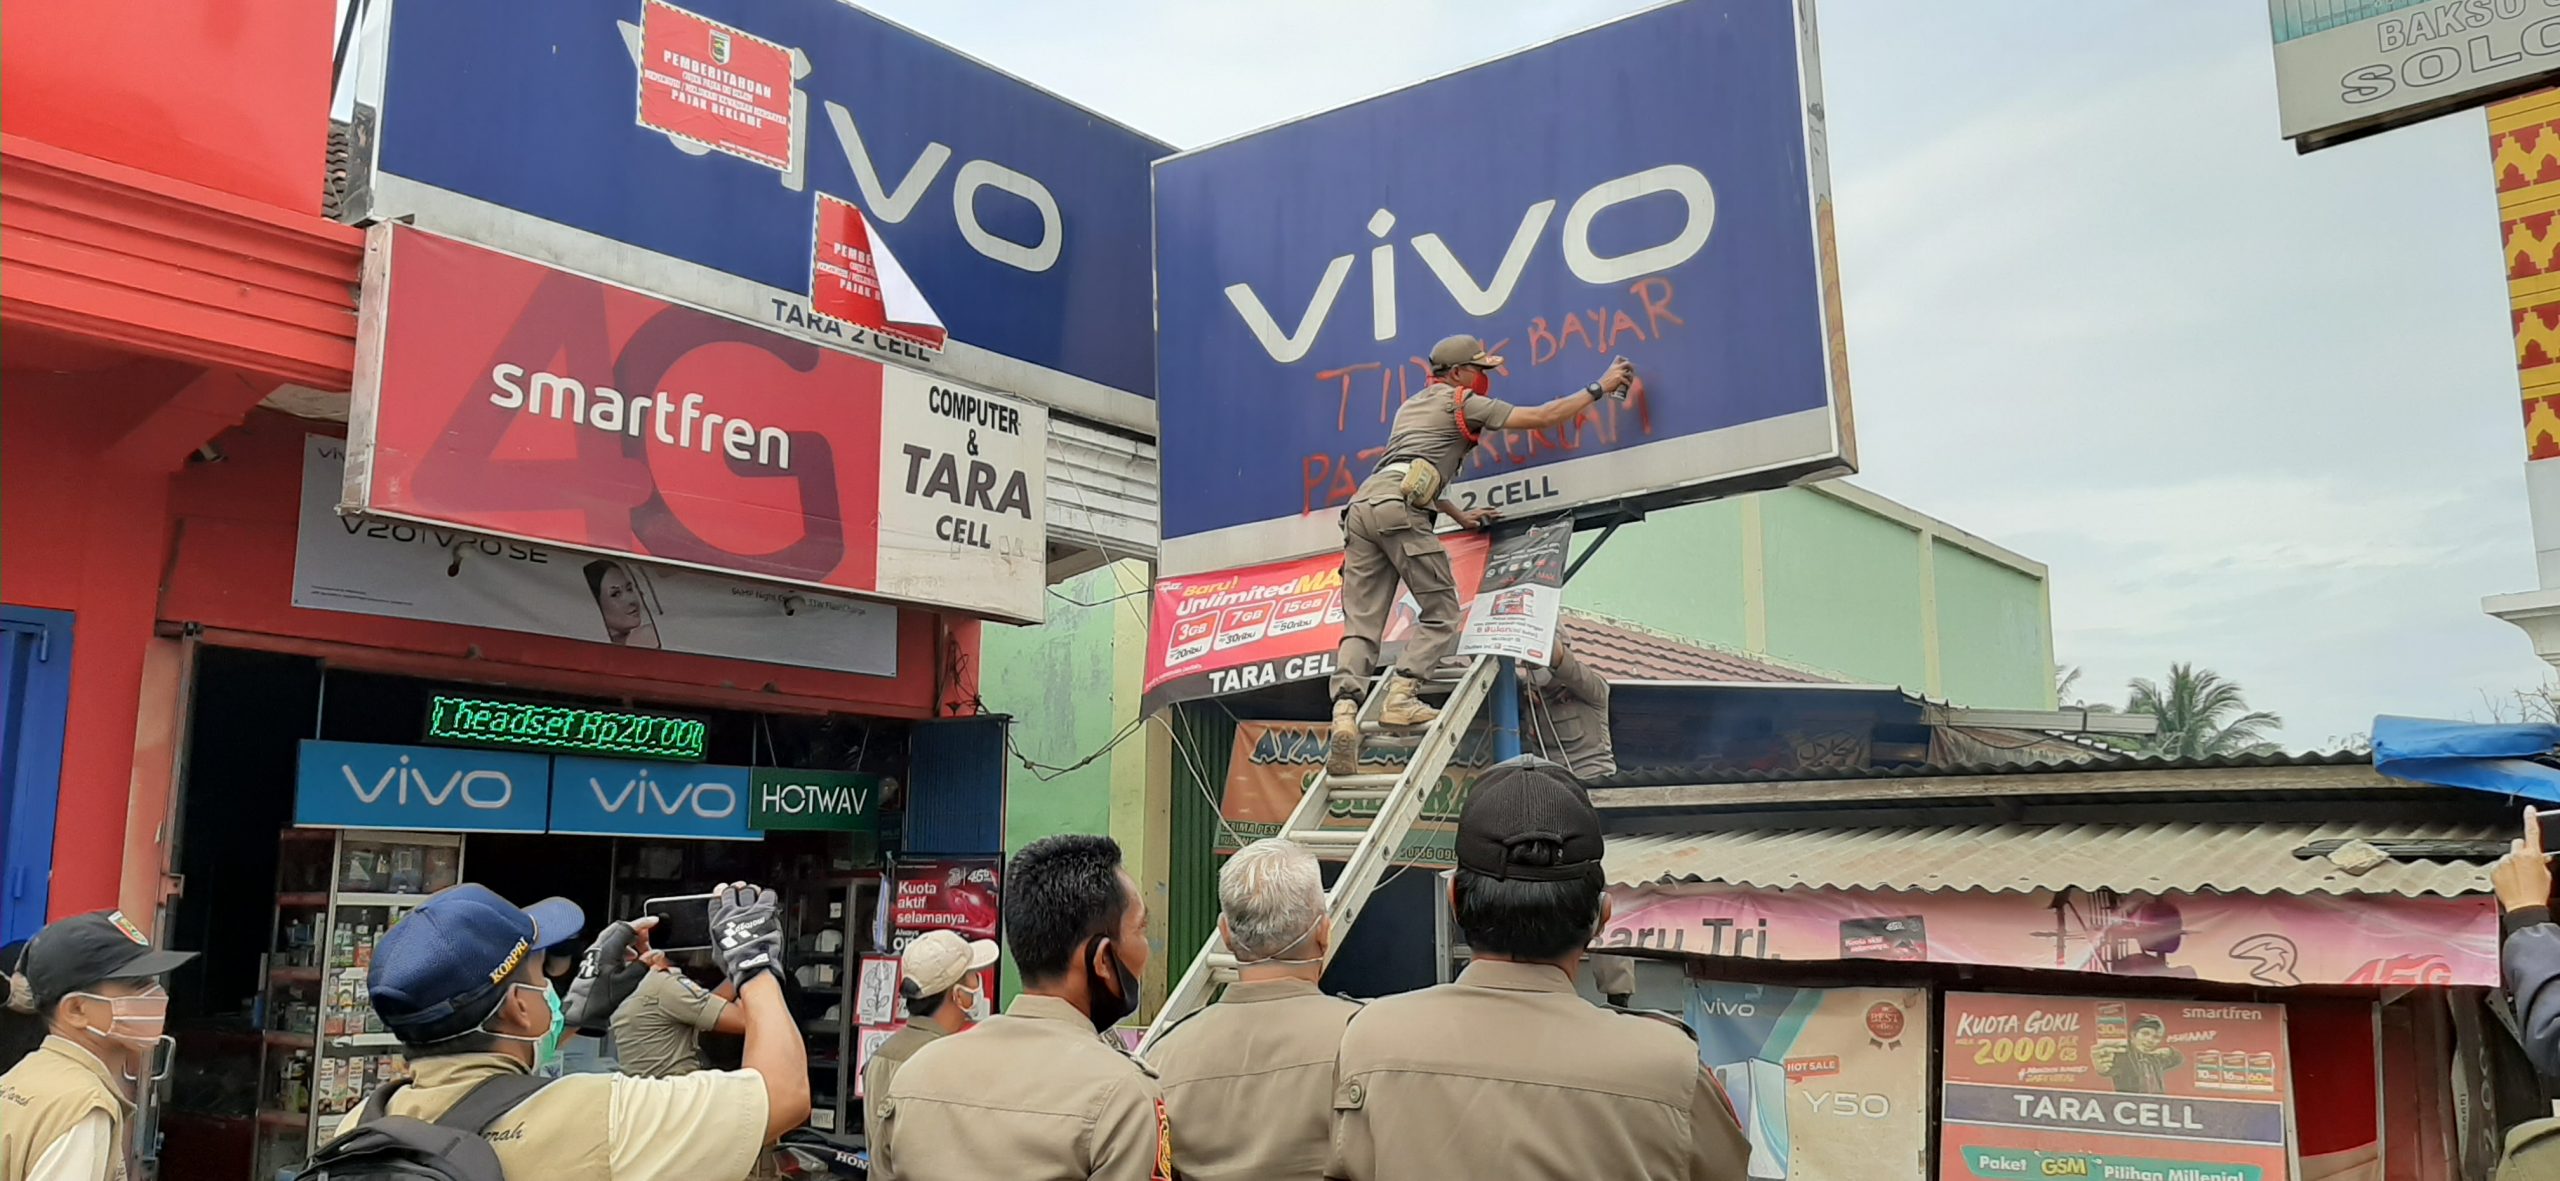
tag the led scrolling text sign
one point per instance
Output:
(526, 726)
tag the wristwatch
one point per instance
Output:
(1595, 391)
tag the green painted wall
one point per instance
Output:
(1995, 642)
(1843, 589)
(1678, 571)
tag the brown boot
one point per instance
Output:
(1342, 752)
(1401, 708)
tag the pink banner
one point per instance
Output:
(2279, 940)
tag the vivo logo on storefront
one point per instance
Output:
(365, 785)
(1587, 263)
(618, 797)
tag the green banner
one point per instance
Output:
(2000, 1164)
(780, 799)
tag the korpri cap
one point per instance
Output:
(1527, 820)
(436, 973)
(1462, 350)
(938, 959)
(85, 950)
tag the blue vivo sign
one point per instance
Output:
(1656, 187)
(1021, 217)
(365, 785)
(619, 797)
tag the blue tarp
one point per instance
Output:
(2501, 759)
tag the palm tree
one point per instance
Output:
(2201, 716)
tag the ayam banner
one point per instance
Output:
(2274, 940)
(1233, 630)
(1828, 1082)
(2050, 1086)
(505, 397)
(1272, 763)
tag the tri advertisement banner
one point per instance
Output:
(2038, 1087)
(501, 396)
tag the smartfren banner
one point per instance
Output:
(1657, 187)
(378, 566)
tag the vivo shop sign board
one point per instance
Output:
(2346, 69)
(1655, 187)
(366, 785)
(500, 396)
(537, 127)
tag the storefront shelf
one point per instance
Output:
(364, 1039)
(304, 898)
(289, 1039)
(354, 898)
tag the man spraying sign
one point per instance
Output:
(1387, 530)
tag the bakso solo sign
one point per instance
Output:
(505, 397)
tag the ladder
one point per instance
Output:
(1400, 797)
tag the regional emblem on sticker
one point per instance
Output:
(125, 925)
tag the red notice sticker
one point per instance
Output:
(715, 85)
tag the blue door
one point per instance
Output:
(35, 691)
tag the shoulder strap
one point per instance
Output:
(490, 1100)
(379, 1104)
(1665, 1018)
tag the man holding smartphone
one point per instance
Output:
(657, 1033)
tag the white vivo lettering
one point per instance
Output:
(615, 804)
(506, 790)
(483, 788)
(1692, 187)
(651, 796)
(728, 797)
(980, 174)
(1698, 219)
(1487, 299)
(1289, 348)
(665, 805)
(891, 206)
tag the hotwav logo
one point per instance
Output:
(1573, 239)
(481, 788)
(644, 794)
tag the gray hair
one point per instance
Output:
(1272, 893)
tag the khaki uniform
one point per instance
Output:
(1507, 1073)
(883, 1067)
(1385, 540)
(1032, 1095)
(46, 1095)
(707, 1126)
(657, 1033)
(1250, 1081)
(1567, 715)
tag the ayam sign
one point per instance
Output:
(1656, 187)
(504, 397)
(686, 150)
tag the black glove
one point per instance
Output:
(607, 976)
(746, 931)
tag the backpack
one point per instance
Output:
(383, 1147)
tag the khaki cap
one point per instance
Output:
(938, 959)
(1462, 350)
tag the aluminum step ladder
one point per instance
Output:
(1400, 796)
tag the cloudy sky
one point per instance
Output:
(2256, 410)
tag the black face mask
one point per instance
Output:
(1108, 1007)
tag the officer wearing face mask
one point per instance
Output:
(96, 981)
(1387, 533)
(1041, 1093)
(942, 978)
(1250, 1078)
(459, 982)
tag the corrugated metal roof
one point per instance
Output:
(1102, 489)
(2151, 858)
(1624, 652)
(1684, 776)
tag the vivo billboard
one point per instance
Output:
(1656, 187)
(686, 150)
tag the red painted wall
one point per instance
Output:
(230, 94)
(82, 538)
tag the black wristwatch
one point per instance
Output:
(1594, 390)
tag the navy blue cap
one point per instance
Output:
(437, 972)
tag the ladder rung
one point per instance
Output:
(1358, 794)
(1330, 836)
(1338, 782)
(1221, 962)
